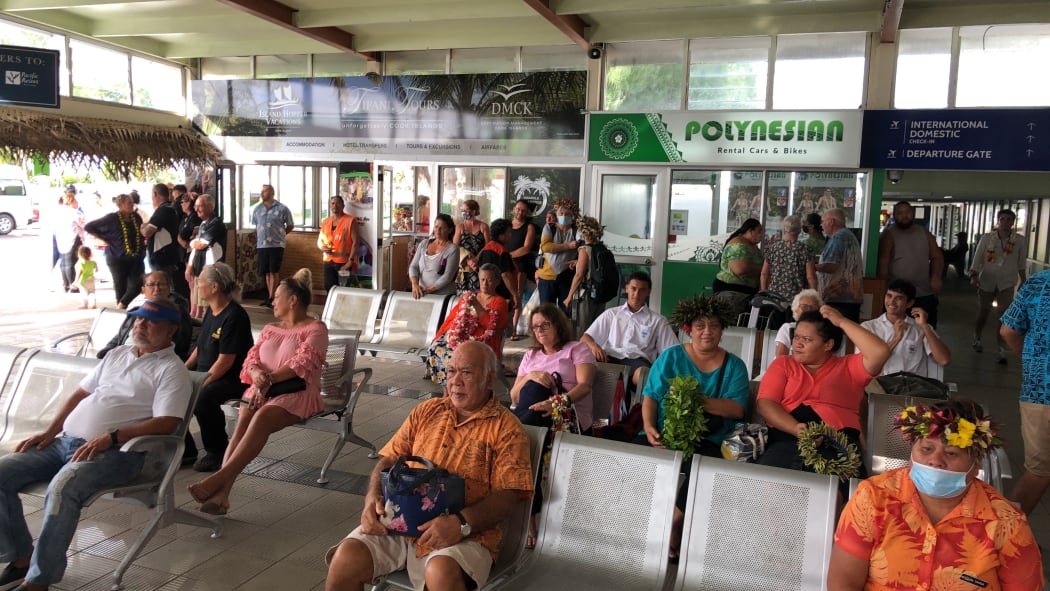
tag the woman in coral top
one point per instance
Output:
(933, 525)
(293, 347)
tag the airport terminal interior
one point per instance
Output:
(671, 122)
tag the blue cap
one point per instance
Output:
(157, 311)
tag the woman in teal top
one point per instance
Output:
(723, 384)
(741, 261)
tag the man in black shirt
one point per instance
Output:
(162, 242)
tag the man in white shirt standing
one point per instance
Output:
(139, 389)
(632, 334)
(914, 344)
(998, 264)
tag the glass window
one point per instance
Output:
(99, 73)
(627, 213)
(280, 66)
(157, 85)
(226, 68)
(728, 73)
(253, 178)
(485, 185)
(415, 62)
(644, 76)
(924, 61)
(997, 63)
(821, 71)
(817, 192)
(291, 189)
(338, 65)
(694, 217)
(556, 57)
(12, 34)
(486, 60)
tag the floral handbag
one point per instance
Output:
(414, 496)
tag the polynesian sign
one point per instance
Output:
(957, 139)
(501, 115)
(728, 138)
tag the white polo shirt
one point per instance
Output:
(632, 335)
(912, 354)
(125, 389)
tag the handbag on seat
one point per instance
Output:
(414, 496)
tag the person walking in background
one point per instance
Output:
(998, 264)
(840, 278)
(337, 241)
(1026, 330)
(85, 279)
(273, 221)
(909, 252)
(125, 248)
(162, 234)
(69, 235)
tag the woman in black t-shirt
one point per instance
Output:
(223, 344)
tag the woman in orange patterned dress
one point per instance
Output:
(933, 525)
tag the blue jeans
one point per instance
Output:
(72, 484)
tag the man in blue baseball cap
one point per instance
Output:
(137, 389)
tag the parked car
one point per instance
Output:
(16, 206)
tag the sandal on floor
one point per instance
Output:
(213, 508)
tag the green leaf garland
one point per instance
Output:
(845, 464)
(684, 420)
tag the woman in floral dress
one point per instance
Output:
(477, 316)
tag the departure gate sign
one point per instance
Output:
(957, 139)
(30, 76)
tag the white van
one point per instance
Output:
(16, 206)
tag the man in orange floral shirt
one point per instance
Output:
(468, 432)
(933, 526)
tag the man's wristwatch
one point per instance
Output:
(113, 437)
(464, 527)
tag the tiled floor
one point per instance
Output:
(278, 530)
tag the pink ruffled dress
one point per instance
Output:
(302, 349)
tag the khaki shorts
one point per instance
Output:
(393, 553)
(1035, 431)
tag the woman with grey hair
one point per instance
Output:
(807, 300)
(223, 345)
(788, 269)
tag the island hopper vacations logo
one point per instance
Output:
(756, 138)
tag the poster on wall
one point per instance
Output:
(745, 198)
(541, 187)
(356, 189)
(817, 192)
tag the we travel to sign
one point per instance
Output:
(30, 76)
(754, 138)
(957, 139)
(516, 114)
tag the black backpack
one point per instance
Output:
(604, 274)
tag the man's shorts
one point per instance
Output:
(270, 260)
(393, 553)
(1035, 432)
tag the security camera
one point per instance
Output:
(595, 52)
(894, 175)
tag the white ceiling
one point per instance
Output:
(183, 29)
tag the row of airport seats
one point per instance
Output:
(606, 524)
(393, 324)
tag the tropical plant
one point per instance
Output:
(684, 419)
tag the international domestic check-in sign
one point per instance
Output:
(30, 76)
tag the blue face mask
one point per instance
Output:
(937, 483)
(564, 220)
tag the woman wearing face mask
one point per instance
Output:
(471, 236)
(933, 525)
(559, 246)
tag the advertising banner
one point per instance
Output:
(957, 139)
(30, 76)
(728, 138)
(516, 114)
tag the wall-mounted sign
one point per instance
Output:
(679, 222)
(728, 138)
(30, 76)
(500, 115)
(957, 139)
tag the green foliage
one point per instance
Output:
(644, 87)
(684, 419)
(818, 441)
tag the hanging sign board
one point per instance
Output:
(30, 76)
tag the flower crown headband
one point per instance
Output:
(918, 422)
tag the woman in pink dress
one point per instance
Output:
(293, 347)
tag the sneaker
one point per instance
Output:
(12, 574)
(209, 462)
(977, 346)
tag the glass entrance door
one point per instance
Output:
(630, 199)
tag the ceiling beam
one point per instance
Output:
(400, 11)
(283, 15)
(891, 20)
(569, 24)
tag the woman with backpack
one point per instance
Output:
(581, 299)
